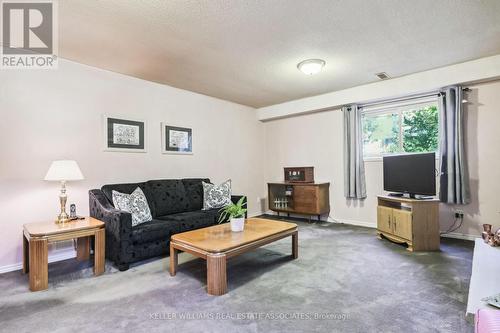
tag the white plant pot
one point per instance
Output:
(237, 224)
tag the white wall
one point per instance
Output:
(316, 139)
(470, 71)
(56, 114)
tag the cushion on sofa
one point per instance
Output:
(127, 188)
(194, 192)
(216, 196)
(192, 220)
(134, 203)
(155, 230)
(168, 196)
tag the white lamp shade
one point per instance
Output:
(64, 170)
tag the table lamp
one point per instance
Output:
(63, 171)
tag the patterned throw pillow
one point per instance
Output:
(121, 201)
(135, 204)
(216, 196)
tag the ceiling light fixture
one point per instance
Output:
(311, 66)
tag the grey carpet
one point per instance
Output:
(360, 283)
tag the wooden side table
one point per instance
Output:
(36, 237)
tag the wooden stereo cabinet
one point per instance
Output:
(299, 198)
(409, 221)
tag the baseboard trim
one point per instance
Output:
(54, 257)
(335, 220)
(365, 224)
(255, 214)
(458, 235)
(455, 235)
(373, 225)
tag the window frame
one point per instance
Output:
(399, 108)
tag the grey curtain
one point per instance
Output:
(354, 168)
(454, 178)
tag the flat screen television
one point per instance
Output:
(412, 174)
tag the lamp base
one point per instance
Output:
(62, 218)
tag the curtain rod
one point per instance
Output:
(405, 98)
(400, 99)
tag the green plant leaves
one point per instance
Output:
(233, 210)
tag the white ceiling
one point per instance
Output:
(247, 51)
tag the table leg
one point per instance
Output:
(26, 255)
(174, 253)
(83, 248)
(38, 264)
(295, 245)
(216, 274)
(99, 251)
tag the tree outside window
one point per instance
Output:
(410, 129)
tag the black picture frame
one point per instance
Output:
(169, 147)
(133, 136)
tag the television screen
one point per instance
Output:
(412, 173)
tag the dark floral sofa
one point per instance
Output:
(175, 204)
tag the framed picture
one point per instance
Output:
(176, 140)
(125, 135)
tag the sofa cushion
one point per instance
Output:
(168, 196)
(123, 188)
(194, 192)
(135, 203)
(155, 230)
(216, 196)
(192, 220)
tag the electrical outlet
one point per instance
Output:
(459, 214)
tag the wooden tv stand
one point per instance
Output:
(409, 221)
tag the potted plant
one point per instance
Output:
(235, 213)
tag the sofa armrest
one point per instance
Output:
(117, 222)
(236, 198)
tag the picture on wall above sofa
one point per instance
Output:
(176, 140)
(125, 135)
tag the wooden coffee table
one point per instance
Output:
(218, 243)
(36, 237)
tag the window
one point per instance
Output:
(403, 129)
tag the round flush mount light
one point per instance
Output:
(311, 66)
